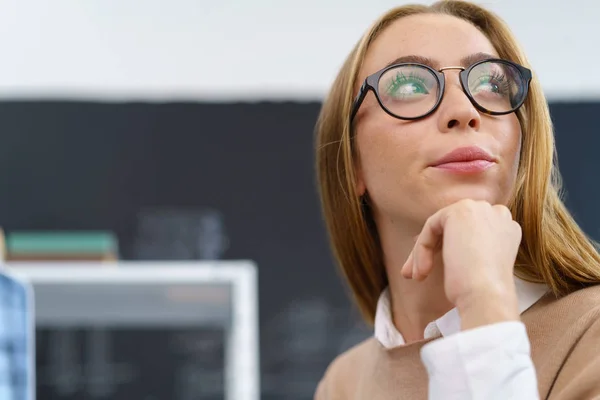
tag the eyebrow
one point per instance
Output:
(464, 62)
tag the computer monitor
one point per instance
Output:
(145, 330)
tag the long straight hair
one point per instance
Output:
(554, 249)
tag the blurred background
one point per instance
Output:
(166, 132)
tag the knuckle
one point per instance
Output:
(516, 228)
(427, 222)
(469, 207)
(466, 205)
(502, 210)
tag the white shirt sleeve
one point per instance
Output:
(489, 362)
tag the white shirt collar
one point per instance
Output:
(386, 333)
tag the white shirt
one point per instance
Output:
(488, 362)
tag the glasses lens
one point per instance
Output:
(497, 86)
(409, 91)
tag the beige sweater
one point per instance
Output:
(565, 349)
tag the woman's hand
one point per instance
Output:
(479, 244)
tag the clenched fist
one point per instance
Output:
(479, 244)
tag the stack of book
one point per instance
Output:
(2, 246)
(61, 246)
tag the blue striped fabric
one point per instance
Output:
(16, 352)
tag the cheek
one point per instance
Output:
(518, 152)
(516, 141)
(509, 141)
(385, 152)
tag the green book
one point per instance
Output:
(61, 242)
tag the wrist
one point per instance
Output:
(487, 307)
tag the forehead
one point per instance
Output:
(443, 38)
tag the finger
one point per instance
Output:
(422, 263)
(502, 210)
(429, 242)
(407, 268)
(518, 230)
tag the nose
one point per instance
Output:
(456, 111)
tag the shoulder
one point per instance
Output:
(585, 303)
(551, 317)
(581, 302)
(577, 346)
(577, 303)
(589, 295)
(342, 371)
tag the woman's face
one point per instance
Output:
(397, 159)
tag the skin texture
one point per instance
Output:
(461, 236)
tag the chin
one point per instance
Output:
(427, 203)
(477, 194)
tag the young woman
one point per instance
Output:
(435, 165)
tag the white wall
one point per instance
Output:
(244, 49)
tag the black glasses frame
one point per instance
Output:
(372, 83)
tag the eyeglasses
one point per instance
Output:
(411, 91)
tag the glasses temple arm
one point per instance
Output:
(364, 89)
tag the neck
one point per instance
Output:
(414, 304)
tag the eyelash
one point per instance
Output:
(500, 79)
(400, 79)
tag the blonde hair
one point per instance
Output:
(554, 249)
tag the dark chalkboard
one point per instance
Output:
(123, 167)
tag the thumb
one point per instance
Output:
(407, 268)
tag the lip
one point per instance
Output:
(465, 159)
